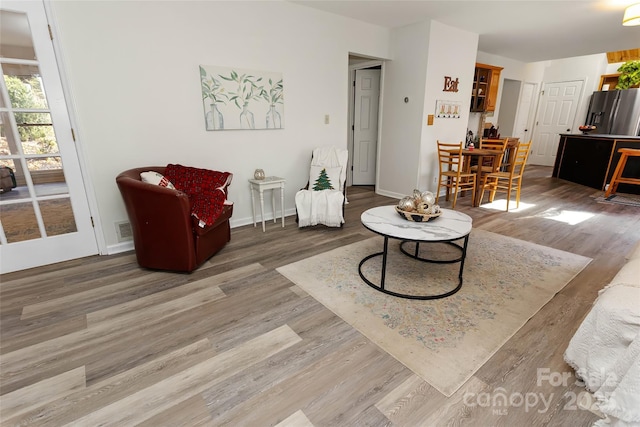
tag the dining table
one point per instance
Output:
(480, 154)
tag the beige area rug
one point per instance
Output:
(506, 281)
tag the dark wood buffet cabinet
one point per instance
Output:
(591, 160)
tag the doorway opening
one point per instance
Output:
(365, 87)
(517, 109)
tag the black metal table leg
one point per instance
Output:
(384, 262)
(415, 255)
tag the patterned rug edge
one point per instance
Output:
(617, 199)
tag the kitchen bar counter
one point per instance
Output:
(591, 160)
(603, 136)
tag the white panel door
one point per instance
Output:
(556, 115)
(44, 214)
(365, 131)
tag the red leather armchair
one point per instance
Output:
(165, 235)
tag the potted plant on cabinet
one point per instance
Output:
(629, 75)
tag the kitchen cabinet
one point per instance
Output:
(485, 87)
(608, 81)
(591, 160)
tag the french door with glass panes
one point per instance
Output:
(44, 210)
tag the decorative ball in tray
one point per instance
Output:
(419, 207)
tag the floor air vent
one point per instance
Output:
(123, 230)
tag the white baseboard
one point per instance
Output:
(390, 194)
(120, 247)
(233, 222)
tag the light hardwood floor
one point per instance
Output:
(99, 341)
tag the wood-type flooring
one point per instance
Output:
(99, 341)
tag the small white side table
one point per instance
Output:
(260, 185)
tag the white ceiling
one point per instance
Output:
(524, 30)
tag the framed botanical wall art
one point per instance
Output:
(234, 98)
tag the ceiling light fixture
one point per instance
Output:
(632, 15)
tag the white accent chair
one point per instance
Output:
(322, 200)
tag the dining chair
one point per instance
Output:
(451, 176)
(507, 181)
(492, 164)
(509, 153)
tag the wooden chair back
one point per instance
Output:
(452, 177)
(494, 144)
(520, 159)
(450, 157)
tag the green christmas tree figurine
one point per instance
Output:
(323, 182)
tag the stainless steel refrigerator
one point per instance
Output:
(615, 112)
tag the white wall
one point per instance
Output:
(400, 141)
(134, 77)
(588, 68)
(612, 68)
(513, 69)
(451, 53)
(422, 57)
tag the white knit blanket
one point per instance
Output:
(319, 207)
(324, 207)
(605, 350)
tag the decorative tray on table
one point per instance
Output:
(416, 216)
(420, 207)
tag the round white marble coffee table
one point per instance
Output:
(447, 228)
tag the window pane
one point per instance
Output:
(7, 138)
(15, 36)
(47, 176)
(11, 176)
(45, 163)
(19, 222)
(8, 163)
(5, 150)
(24, 86)
(57, 216)
(7, 178)
(36, 133)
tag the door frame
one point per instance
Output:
(43, 30)
(71, 108)
(533, 108)
(351, 114)
(518, 113)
